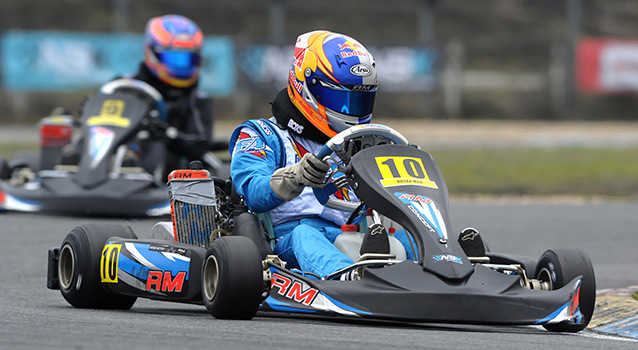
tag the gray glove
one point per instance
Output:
(288, 182)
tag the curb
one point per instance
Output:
(616, 312)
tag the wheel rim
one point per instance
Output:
(211, 277)
(66, 267)
(545, 278)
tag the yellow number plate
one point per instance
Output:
(109, 262)
(111, 114)
(397, 171)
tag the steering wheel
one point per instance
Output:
(140, 87)
(345, 145)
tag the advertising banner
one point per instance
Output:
(58, 61)
(607, 66)
(400, 69)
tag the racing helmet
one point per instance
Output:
(172, 49)
(332, 81)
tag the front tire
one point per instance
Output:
(558, 267)
(232, 279)
(5, 173)
(79, 267)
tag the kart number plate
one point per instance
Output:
(398, 171)
(111, 114)
(109, 262)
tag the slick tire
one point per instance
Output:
(79, 267)
(558, 267)
(232, 279)
(25, 159)
(248, 225)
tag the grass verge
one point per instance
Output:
(562, 171)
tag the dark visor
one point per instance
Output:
(341, 98)
(179, 60)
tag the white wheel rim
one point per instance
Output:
(211, 277)
(66, 267)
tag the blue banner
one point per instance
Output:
(57, 61)
(400, 69)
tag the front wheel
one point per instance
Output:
(5, 173)
(79, 267)
(232, 279)
(558, 267)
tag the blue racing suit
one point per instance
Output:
(304, 229)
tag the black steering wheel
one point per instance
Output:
(345, 145)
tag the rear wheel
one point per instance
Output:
(25, 159)
(79, 267)
(558, 267)
(232, 280)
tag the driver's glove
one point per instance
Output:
(288, 182)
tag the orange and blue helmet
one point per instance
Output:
(172, 49)
(332, 81)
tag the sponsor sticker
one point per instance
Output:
(295, 290)
(163, 281)
(294, 126)
(426, 211)
(448, 258)
(361, 70)
(166, 249)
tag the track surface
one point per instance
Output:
(35, 317)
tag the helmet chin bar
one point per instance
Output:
(338, 122)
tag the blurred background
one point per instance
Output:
(437, 59)
(512, 97)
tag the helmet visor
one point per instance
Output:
(356, 100)
(181, 63)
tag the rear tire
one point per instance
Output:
(558, 267)
(79, 267)
(248, 225)
(25, 159)
(232, 279)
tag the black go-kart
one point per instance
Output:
(217, 253)
(103, 174)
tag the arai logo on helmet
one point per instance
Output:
(361, 70)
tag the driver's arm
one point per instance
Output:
(252, 166)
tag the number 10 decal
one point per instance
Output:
(397, 171)
(108, 264)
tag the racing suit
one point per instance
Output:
(304, 229)
(190, 112)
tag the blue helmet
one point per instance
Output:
(332, 81)
(172, 50)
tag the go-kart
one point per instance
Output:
(217, 253)
(103, 174)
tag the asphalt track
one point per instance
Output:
(35, 317)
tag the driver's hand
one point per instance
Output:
(288, 182)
